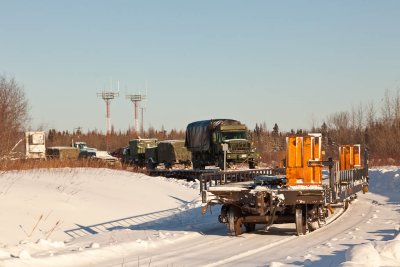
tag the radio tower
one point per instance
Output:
(107, 97)
(136, 99)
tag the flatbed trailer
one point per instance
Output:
(299, 196)
(209, 177)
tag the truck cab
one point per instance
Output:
(213, 142)
(84, 150)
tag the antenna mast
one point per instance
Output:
(107, 97)
(136, 99)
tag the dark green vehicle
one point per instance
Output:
(207, 140)
(168, 153)
(135, 155)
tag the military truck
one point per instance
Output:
(84, 150)
(135, 155)
(209, 140)
(169, 153)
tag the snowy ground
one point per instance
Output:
(101, 217)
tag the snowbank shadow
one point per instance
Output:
(179, 219)
(123, 223)
(185, 218)
(334, 259)
(385, 234)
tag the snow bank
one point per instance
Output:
(43, 204)
(386, 182)
(372, 254)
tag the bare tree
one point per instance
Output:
(370, 114)
(396, 106)
(13, 114)
(387, 107)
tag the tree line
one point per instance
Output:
(376, 128)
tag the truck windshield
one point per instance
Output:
(233, 135)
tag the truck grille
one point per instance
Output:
(239, 146)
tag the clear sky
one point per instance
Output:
(285, 62)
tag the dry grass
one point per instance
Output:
(8, 165)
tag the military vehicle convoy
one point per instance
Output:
(219, 141)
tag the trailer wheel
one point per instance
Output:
(315, 218)
(250, 227)
(346, 204)
(314, 225)
(234, 220)
(322, 214)
(301, 221)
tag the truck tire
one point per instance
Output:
(252, 164)
(197, 162)
(196, 165)
(168, 165)
(151, 164)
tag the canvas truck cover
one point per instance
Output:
(151, 153)
(62, 152)
(173, 151)
(198, 133)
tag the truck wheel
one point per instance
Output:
(234, 221)
(168, 165)
(188, 164)
(196, 165)
(252, 164)
(151, 164)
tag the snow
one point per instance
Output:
(101, 217)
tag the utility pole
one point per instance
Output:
(142, 121)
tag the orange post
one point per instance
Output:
(303, 156)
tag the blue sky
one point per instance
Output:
(285, 62)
